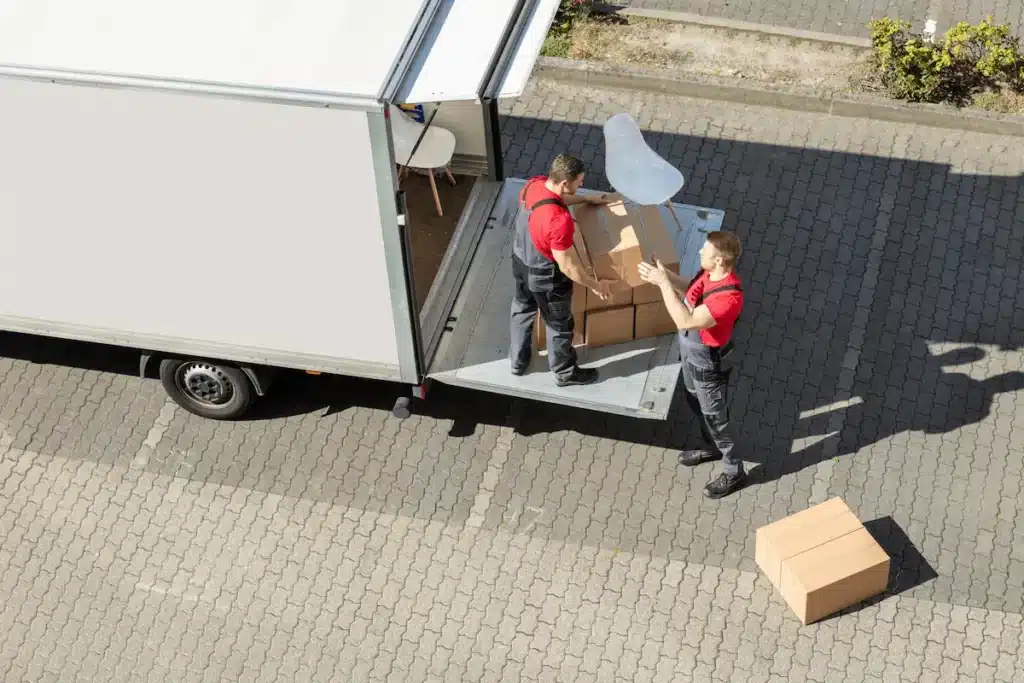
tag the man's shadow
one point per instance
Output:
(932, 400)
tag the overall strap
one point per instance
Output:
(717, 290)
(548, 202)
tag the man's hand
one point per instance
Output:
(602, 288)
(597, 199)
(656, 275)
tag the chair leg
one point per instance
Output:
(448, 172)
(433, 188)
(673, 212)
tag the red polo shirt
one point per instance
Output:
(551, 226)
(724, 307)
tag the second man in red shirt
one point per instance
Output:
(705, 312)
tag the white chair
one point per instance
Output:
(435, 150)
(635, 170)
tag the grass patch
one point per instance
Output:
(611, 39)
(1000, 102)
(557, 45)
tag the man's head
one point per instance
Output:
(720, 252)
(565, 175)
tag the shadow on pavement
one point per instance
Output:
(907, 567)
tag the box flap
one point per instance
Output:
(579, 243)
(790, 536)
(809, 517)
(833, 561)
(655, 239)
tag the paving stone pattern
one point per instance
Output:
(489, 539)
(845, 17)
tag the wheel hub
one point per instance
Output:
(205, 383)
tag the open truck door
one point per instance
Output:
(477, 53)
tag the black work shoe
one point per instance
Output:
(696, 456)
(579, 377)
(724, 484)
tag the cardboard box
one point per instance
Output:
(609, 326)
(646, 293)
(621, 296)
(652, 320)
(617, 239)
(821, 560)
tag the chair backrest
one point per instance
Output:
(404, 132)
(634, 169)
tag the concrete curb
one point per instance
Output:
(819, 102)
(733, 25)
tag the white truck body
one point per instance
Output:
(215, 179)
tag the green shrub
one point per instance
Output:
(955, 68)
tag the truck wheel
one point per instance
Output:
(218, 392)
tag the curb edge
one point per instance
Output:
(831, 103)
(732, 25)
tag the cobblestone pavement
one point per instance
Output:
(843, 17)
(489, 540)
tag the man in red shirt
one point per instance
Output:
(705, 312)
(545, 266)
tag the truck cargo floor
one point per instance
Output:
(430, 234)
(638, 378)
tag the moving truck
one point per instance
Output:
(214, 183)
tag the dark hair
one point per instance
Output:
(565, 168)
(728, 246)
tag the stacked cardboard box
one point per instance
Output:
(821, 560)
(611, 241)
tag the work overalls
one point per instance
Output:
(540, 285)
(706, 374)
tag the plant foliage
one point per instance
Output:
(966, 61)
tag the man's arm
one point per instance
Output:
(699, 319)
(678, 284)
(570, 264)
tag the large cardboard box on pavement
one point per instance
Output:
(821, 560)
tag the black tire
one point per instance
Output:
(218, 392)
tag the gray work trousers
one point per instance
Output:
(555, 308)
(707, 392)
